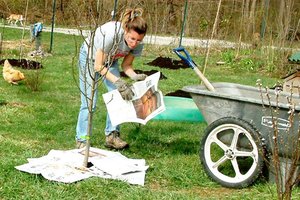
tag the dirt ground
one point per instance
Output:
(23, 63)
(166, 62)
(179, 93)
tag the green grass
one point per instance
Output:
(33, 123)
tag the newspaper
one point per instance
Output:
(146, 103)
(66, 166)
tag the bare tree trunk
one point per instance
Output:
(280, 19)
(243, 18)
(249, 17)
(164, 20)
(156, 18)
(61, 6)
(287, 19)
(252, 16)
(284, 19)
(90, 122)
(172, 17)
(45, 9)
(246, 10)
(265, 9)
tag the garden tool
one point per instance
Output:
(185, 56)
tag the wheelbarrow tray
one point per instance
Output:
(251, 105)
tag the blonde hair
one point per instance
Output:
(132, 19)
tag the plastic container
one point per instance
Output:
(180, 109)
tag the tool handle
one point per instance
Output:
(207, 84)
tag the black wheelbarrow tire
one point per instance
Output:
(232, 152)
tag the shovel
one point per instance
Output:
(185, 56)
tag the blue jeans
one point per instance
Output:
(85, 84)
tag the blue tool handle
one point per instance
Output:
(185, 56)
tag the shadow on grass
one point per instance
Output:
(3, 102)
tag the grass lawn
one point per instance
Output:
(34, 122)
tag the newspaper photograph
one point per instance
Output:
(146, 103)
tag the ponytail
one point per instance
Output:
(132, 19)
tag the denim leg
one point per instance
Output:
(85, 84)
(114, 69)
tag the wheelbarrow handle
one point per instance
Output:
(185, 56)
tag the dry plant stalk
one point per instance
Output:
(285, 144)
(0, 45)
(212, 35)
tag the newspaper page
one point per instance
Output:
(66, 166)
(146, 103)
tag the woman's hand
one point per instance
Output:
(124, 89)
(138, 77)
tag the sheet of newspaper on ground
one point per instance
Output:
(146, 104)
(66, 166)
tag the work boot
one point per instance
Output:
(80, 144)
(114, 141)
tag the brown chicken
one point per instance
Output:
(11, 75)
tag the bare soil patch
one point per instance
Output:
(166, 62)
(179, 93)
(23, 63)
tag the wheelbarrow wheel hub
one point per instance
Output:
(230, 154)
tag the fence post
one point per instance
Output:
(52, 27)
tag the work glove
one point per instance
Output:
(139, 77)
(124, 89)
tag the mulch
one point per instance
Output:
(179, 93)
(23, 63)
(166, 62)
